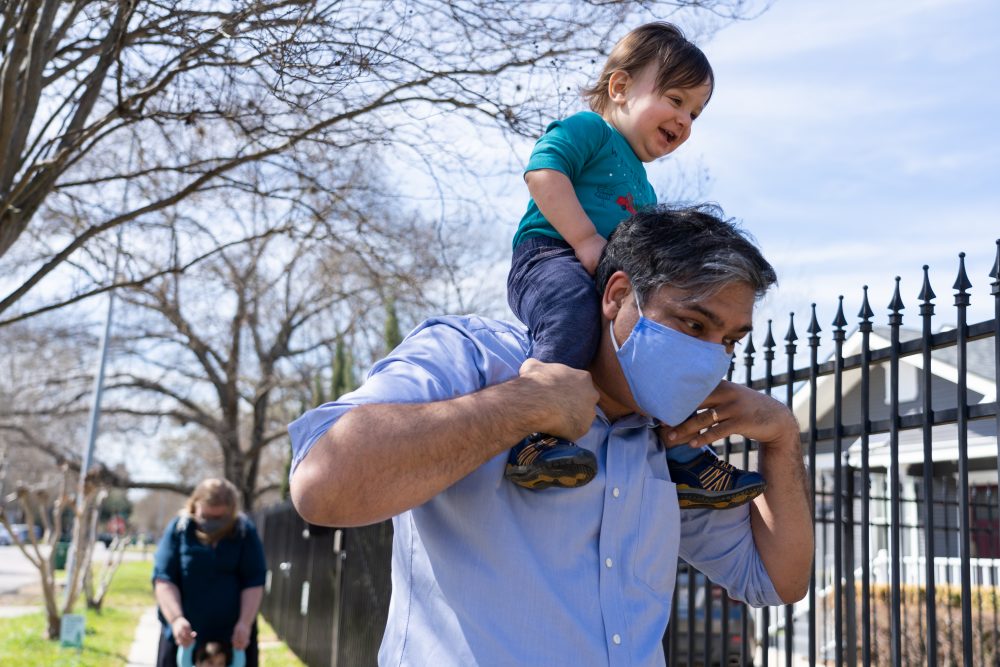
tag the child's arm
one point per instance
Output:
(556, 200)
(185, 656)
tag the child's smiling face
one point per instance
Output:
(654, 123)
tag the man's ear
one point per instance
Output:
(617, 290)
(618, 85)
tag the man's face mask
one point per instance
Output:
(668, 372)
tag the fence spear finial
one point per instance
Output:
(926, 294)
(866, 313)
(896, 306)
(995, 272)
(962, 283)
(791, 336)
(748, 352)
(814, 328)
(839, 321)
(769, 340)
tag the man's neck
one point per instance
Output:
(603, 374)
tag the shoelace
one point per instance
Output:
(532, 450)
(718, 476)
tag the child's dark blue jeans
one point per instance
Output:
(554, 296)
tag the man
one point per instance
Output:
(487, 573)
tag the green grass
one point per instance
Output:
(273, 652)
(109, 635)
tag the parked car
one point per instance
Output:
(734, 638)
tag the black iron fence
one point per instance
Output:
(901, 445)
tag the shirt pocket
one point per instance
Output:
(657, 543)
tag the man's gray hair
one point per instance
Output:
(691, 248)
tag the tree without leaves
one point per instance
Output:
(40, 506)
(146, 104)
(221, 348)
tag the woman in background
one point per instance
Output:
(208, 575)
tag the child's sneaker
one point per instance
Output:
(540, 461)
(708, 481)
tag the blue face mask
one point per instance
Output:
(669, 373)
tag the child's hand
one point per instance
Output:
(589, 251)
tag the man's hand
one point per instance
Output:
(183, 634)
(241, 636)
(734, 409)
(589, 250)
(565, 396)
(781, 518)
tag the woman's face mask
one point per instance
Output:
(212, 525)
(215, 524)
(668, 372)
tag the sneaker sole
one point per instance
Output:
(692, 500)
(568, 476)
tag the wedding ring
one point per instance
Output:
(715, 416)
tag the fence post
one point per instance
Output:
(995, 291)
(926, 311)
(748, 353)
(790, 339)
(896, 628)
(865, 327)
(962, 286)
(813, 376)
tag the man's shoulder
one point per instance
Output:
(484, 329)
(464, 346)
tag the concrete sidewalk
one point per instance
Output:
(146, 641)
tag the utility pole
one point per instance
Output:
(72, 561)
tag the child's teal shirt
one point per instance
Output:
(609, 180)
(185, 657)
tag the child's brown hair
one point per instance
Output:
(212, 649)
(680, 63)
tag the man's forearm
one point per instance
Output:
(382, 459)
(782, 518)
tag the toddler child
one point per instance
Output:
(585, 176)
(210, 654)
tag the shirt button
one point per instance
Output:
(616, 492)
(617, 639)
(608, 562)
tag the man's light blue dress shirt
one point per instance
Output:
(488, 573)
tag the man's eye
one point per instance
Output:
(694, 326)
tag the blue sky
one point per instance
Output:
(858, 141)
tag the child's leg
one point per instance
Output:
(705, 481)
(553, 295)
